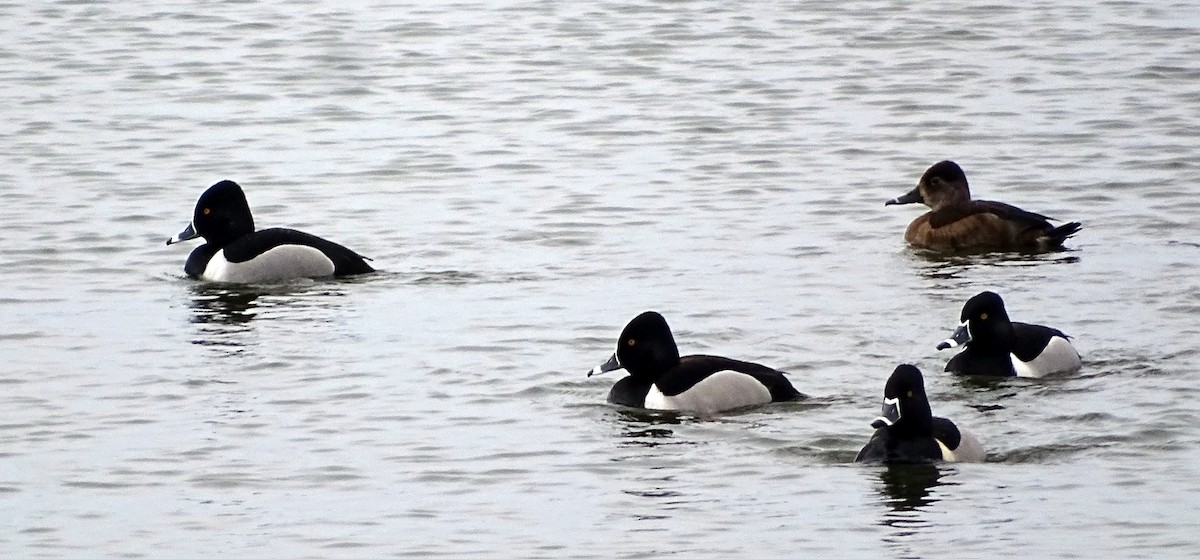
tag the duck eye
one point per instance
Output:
(910, 393)
(206, 211)
(983, 316)
(632, 342)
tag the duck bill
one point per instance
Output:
(611, 365)
(891, 413)
(912, 197)
(962, 336)
(187, 234)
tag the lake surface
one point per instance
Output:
(528, 177)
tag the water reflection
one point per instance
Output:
(645, 429)
(640, 427)
(234, 304)
(908, 487)
(657, 492)
(222, 313)
(994, 389)
(219, 304)
(940, 265)
(906, 491)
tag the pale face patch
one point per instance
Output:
(280, 263)
(721, 391)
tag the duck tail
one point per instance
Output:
(1056, 236)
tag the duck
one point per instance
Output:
(993, 345)
(235, 252)
(909, 433)
(955, 222)
(660, 379)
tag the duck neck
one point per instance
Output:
(993, 338)
(947, 197)
(916, 422)
(650, 366)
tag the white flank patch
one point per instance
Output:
(947, 454)
(720, 391)
(969, 448)
(280, 263)
(1058, 357)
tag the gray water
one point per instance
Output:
(529, 176)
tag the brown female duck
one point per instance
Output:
(956, 222)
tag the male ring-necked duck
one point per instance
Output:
(235, 252)
(908, 432)
(660, 379)
(996, 346)
(956, 222)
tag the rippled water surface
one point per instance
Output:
(529, 176)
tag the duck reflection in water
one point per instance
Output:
(234, 304)
(221, 304)
(647, 428)
(937, 265)
(908, 487)
(906, 490)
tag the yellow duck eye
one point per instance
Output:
(983, 316)
(632, 342)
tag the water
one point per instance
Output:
(529, 176)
